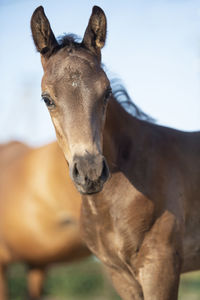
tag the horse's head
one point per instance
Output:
(76, 91)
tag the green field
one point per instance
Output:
(85, 280)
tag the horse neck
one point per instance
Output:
(121, 130)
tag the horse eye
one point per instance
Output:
(107, 94)
(49, 102)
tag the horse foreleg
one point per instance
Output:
(159, 261)
(35, 281)
(159, 278)
(126, 286)
(3, 284)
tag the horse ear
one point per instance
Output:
(95, 34)
(43, 36)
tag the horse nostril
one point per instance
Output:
(89, 175)
(75, 171)
(105, 171)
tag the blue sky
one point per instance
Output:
(152, 45)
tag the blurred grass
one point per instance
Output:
(190, 286)
(85, 280)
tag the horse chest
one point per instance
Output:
(108, 236)
(108, 245)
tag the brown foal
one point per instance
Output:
(140, 181)
(39, 212)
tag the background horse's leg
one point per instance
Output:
(3, 283)
(127, 287)
(35, 282)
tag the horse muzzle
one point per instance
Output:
(89, 173)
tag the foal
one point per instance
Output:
(140, 181)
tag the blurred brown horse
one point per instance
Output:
(144, 221)
(39, 212)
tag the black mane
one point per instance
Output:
(72, 41)
(122, 96)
